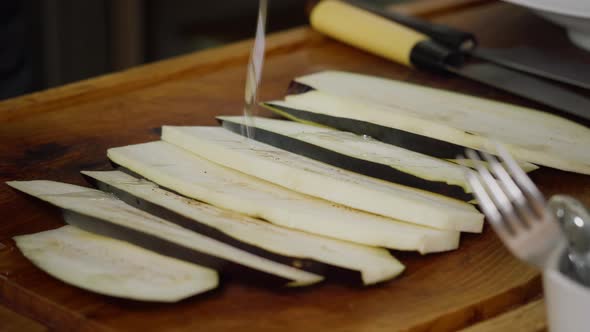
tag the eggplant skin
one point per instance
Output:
(529, 134)
(170, 249)
(296, 88)
(361, 166)
(326, 270)
(418, 143)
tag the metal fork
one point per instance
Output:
(513, 205)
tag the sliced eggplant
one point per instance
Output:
(303, 250)
(436, 122)
(419, 144)
(327, 111)
(359, 154)
(324, 181)
(190, 175)
(101, 213)
(112, 267)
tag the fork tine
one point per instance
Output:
(523, 181)
(511, 189)
(487, 205)
(496, 193)
(501, 174)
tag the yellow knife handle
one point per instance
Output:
(379, 36)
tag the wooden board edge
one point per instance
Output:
(202, 62)
(485, 309)
(527, 318)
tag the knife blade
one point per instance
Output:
(391, 40)
(540, 63)
(524, 59)
(254, 70)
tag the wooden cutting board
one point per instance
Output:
(57, 133)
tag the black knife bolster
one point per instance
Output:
(430, 55)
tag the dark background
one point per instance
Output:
(47, 43)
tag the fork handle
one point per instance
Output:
(546, 237)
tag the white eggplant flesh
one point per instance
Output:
(112, 267)
(374, 264)
(530, 135)
(107, 210)
(405, 163)
(190, 175)
(324, 181)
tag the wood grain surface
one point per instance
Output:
(57, 133)
(13, 322)
(529, 317)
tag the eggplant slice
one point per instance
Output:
(303, 250)
(112, 267)
(359, 154)
(102, 213)
(436, 122)
(324, 181)
(190, 175)
(399, 138)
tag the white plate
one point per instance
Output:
(573, 15)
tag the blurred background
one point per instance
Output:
(47, 43)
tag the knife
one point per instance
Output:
(525, 59)
(254, 71)
(406, 46)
